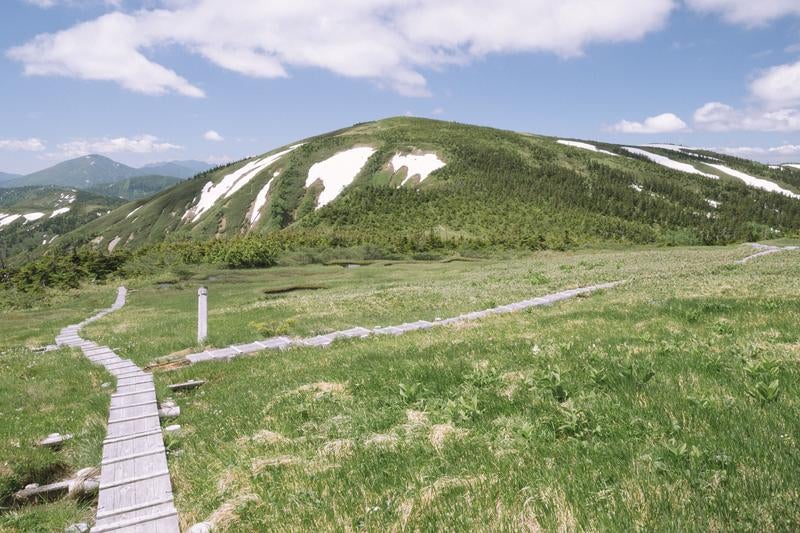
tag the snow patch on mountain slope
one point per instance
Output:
(59, 211)
(231, 183)
(416, 165)
(585, 146)
(8, 219)
(337, 172)
(792, 165)
(681, 150)
(713, 203)
(129, 215)
(113, 244)
(752, 181)
(31, 217)
(65, 197)
(261, 200)
(669, 163)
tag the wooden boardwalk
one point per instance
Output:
(765, 250)
(282, 343)
(135, 490)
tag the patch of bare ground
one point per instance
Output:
(260, 464)
(381, 440)
(409, 507)
(337, 449)
(440, 433)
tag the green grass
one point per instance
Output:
(463, 427)
(161, 315)
(650, 406)
(42, 393)
(630, 409)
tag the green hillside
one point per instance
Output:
(135, 188)
(34, 217)
(496, 188)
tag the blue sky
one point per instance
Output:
(150, 80)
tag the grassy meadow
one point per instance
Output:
(43, 393)
(668, 403)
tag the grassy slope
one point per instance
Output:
(19, 238)
(496, 184)
(476, 437)
(41, 393)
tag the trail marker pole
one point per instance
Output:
(202, 315)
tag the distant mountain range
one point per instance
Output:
(89, 171)
(135, 188)
(175, 169)
(5, 176)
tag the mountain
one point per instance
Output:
(5, 176)
(176, 169)
(90, 170)
(81, 173)
(135, 188)
(34, 217)
(409, 184)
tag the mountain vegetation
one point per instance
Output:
(135, 188)
(497, 188)
(59, 211)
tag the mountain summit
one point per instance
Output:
(399, 182)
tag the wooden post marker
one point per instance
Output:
(202, 315)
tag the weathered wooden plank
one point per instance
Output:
(161, 522)
(135, 455)
(135, 479)
(133, 426)
(130, 405)
(186, 385)
(129, 399)
(131, 436)
(144, 389)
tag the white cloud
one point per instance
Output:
(386, 41)
(778, 86)
(212, 135)
(142, 144)
(22, 145)
(747, 12)
(751, 151)
(664, 123)
(106, 48)
(716, 116)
